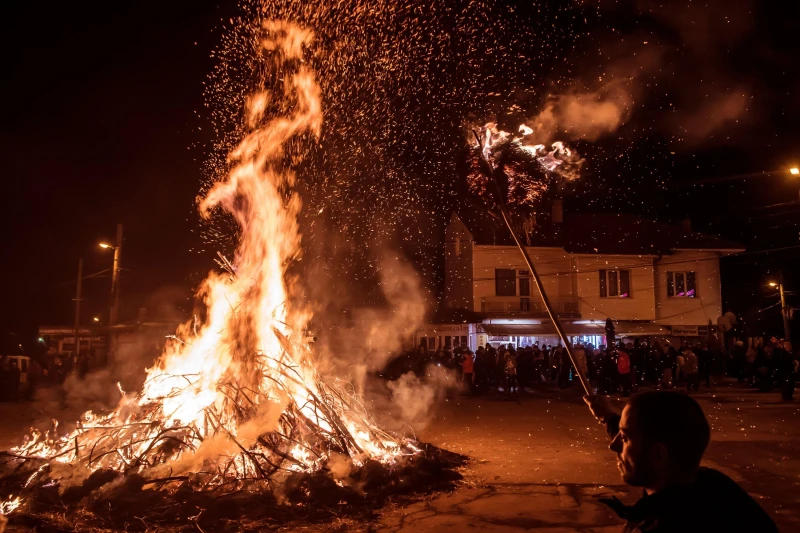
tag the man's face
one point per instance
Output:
(634, 455)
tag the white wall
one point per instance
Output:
(552, 264)
(689, 311)
(458, 265)
(640, 306)
(470, 277)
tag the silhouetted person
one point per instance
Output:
(659, 440)
(624, 370)
(5, 376)
(83, 366)
(691, 368)
(784, 368)
(468, 370)
(704, 362)
(34, 376)
(14, 379)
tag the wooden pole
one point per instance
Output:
(78, 308)
(501, 205)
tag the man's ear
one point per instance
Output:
(659, 453)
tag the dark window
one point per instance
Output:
(624, 284)
(603, 289)
(431, 343)
(524, 283)
(680, 290)
(505, 280)
(691, 285)
(447, 340)
(463, 340)
(682, 284)
(613, 283)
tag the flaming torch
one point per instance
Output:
(551, 162)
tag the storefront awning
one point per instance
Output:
(623, 328)
(629, 328)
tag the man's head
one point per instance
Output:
(662, 437)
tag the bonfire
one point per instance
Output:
(235, 405)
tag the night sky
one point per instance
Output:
(113, 113)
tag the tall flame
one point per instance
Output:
(241, 396)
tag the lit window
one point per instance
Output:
(615, 283)
(681, 284)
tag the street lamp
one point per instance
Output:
(114, 315)
(784, 309)
(794, 171)
(96, 318)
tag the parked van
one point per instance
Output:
(22, 362)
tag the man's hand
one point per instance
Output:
(599, 406)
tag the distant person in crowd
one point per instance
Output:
(738, 361)
(624, 370)
(468, 370)
(679, 362)
(34, 377)
(14, 380)
(84, 364)
(653, 364)
(691, 369)
(607, 369)
(580, 359)
(56, 371)
(564, 367)
(785, 370)
(750, 364)
(510, 366)
(660, 439)
(637, 352)
(764, 369)
(4, 379)
(538, 364)
(667, 367)
(524, 367)
(481, 370)
(705, 362)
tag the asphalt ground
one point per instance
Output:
(541, 462)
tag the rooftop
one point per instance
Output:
(593, 233)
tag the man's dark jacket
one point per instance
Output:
(713, 502)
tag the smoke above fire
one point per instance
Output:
(582, 115)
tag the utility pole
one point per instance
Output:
(114, 314)
(784, 311)
(78, 308)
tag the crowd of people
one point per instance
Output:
(21, 383)
(622, 368)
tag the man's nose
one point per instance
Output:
(615, 445)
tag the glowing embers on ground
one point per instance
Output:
(237, 403)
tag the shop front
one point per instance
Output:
(446, 336)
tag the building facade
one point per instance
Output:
(651, 279)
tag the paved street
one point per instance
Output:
(541, 464)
